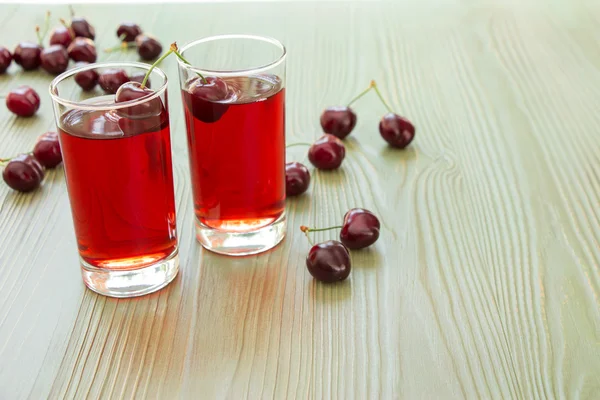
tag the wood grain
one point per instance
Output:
(485, 282)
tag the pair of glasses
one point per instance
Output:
(118, 162)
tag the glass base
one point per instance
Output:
(241, 243)
(133, 282)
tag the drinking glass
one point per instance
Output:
(233, 89)
(117, 160)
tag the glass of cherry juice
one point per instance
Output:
(233, 89)
(117, 159)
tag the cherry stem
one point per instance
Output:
(4, 161)
(46, 28)
(373, 86)
(298, 144)
(71, 10)
(178, 54)
(172, 49)
(37, 33)
(361, 94)
(381, 97)
(306, 229)
(121, 47)
(64, 23)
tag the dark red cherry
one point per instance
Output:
(23, 173)
(397, 131)
(329, 261)
(139, 77)
(338, 121)
(360, 229)
(47, 150)
(5, 59)
(54, 59)
(148, 47)
(27, 55)
(129, 30)
(297, 178)
(133, 91)
(205, 98)
(23, 101)
(327, 152)
(82, 28)
(82, 49)
(110, 80)
(148, 116)
(61, 35)
(88, 79)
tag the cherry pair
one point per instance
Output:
(326, 153)
(55, 59)
(130, 34)
(25, 172)
(394, 129)
(330, 261)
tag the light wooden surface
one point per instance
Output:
(485, 282)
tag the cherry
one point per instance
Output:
(396, 130)
(82, 49)
(54, 59)
(47, 150)
(140, 118)
(297, 178)
(327, 152)
(128, 31)
(111, 79)
(329, 261)
(23, 173)
(133, 91)
(5, 59)
(27, 55)
(360, 229)
(338, 121)
(82, 28)
(88, 79)
(148, 47)
(61, 35)
(139, 78)
(205, 99)
(23, 101)
(341, 120)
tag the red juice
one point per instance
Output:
(237, 154)
(120, 182)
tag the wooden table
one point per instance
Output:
(485, 282)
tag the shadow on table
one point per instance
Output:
(330, 293)
(391, 154)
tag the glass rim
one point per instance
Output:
(114, 106)
(235, 72)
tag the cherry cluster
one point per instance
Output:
(110, 79)
(25, 172)
(330, 261)
(130, 35)
(72, 40)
